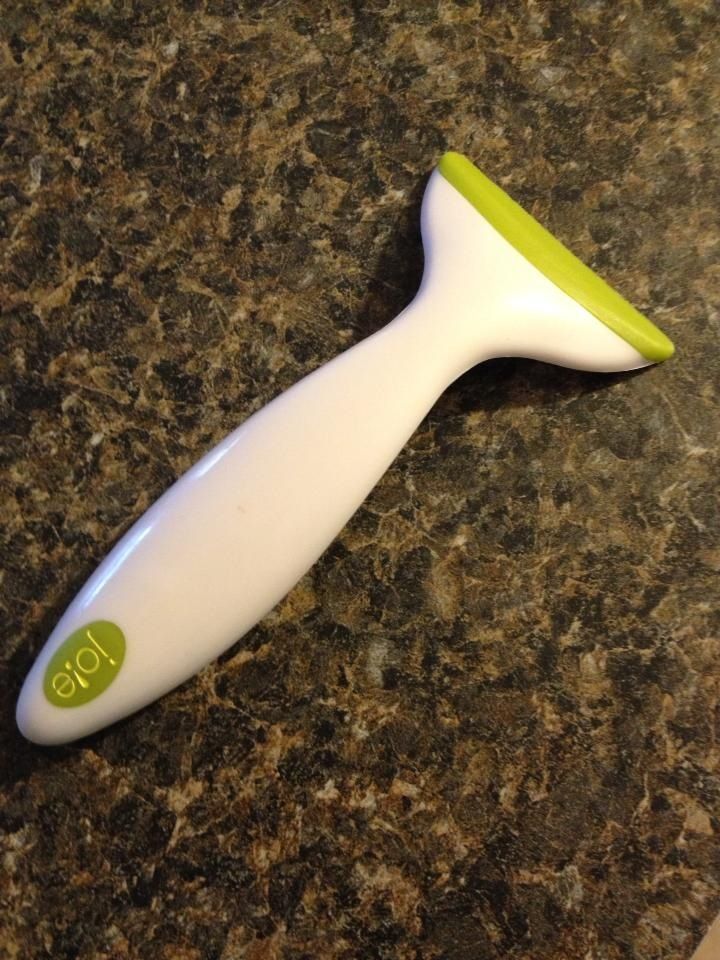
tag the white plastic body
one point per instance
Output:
(223, 545)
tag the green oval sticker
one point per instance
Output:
(85, 664)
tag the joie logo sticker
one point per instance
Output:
(85, 664)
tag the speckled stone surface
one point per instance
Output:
(482, 726)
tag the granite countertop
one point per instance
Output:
(482, 726)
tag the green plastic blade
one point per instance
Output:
(554, 259)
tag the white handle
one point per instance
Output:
(222, 546)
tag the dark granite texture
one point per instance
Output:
(482, 726)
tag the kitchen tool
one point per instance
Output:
(231, 537)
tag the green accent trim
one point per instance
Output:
(554, 259)
(85, 664)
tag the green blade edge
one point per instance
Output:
(554, 259)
